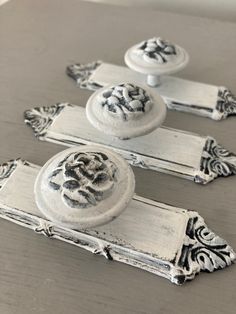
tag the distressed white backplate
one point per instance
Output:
(202, 99)
(184, 154)
(162, 239)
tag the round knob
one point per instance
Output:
(125, 110)
(155, 57)
(84, 187)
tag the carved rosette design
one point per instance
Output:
(126, 101)
(84, 179)
(216, 162)
(81, 74)
(226, 103)
(203, 250)
(156, 50)
(40, 118)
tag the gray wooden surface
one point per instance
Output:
(37, 40)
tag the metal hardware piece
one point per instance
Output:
(165, 240)
(191, 156)
(215, 102)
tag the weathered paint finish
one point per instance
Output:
(215, 102)
(170, 242)
(191, 156)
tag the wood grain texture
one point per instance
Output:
(42, 276)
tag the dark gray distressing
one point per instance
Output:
(38, 40)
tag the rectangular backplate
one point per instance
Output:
(183, 95)
(191, 156)
(165, 240)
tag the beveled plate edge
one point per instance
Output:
(215, 160)
(225, 105)
(201, 250)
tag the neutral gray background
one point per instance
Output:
(37, 40)
(221, 9)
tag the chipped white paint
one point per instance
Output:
(155, 57)
(165, 240)
(193, 97)
(125, 110)
(184, 154)
(84, 187)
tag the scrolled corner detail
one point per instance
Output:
(216, 161)
(81, 73)
(7, 168)
(203, 250)
(40, 118)
(226, 104)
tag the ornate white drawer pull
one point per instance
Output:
(84, 187)
(165, 240)
(125, 110)
(155, 57)
(191, 156)
(150, 60)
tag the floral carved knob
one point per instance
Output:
(125, 110)
(84, 187)
(155, 57)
